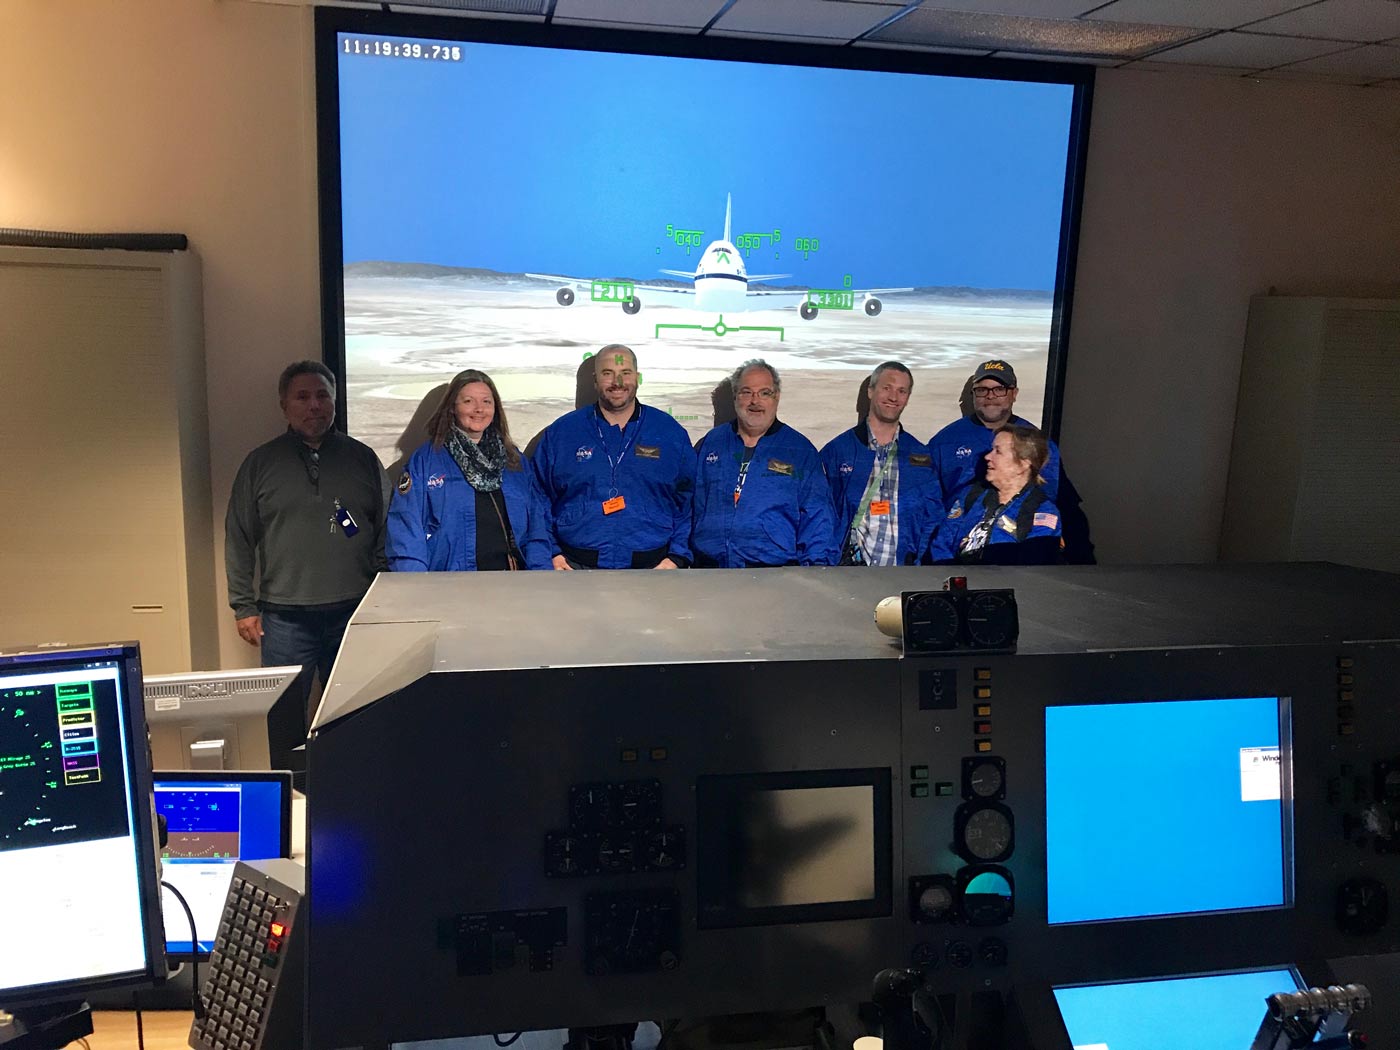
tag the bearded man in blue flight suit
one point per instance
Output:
(761, 496)
(962, 445)
(618, 476)
(883, 486)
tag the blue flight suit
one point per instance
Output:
(432, 518)
(849, 460)
(957, 452)
(783, 516)
(652, 468)
(1018, 535)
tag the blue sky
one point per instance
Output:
(565, 162)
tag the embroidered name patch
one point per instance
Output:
(919, 459)
(405, 483)
(777, 466)
(649, 451)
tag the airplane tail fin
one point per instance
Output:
(728, 203)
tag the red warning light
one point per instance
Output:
(278, 929)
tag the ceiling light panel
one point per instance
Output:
(1247, 50)
(826, 19)
(643, 14)
(1042, 36)
(1364, 21)
(1216, 14)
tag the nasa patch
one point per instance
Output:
(846, 468)
(964, 452)
(437, 481)
(583, 453)
(713, 457)
(956, 512)
(405, 483)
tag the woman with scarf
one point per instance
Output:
(1006, 518)
(468, 498)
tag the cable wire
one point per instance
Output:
(507, 1042)
(196, 1002)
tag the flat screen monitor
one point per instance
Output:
(79, 908)
(216, 719)
(214, 819)
(793, 847)
(1214, 1012)
(499, 198)
(1164, 808)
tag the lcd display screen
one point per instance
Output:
(1215, 1012)
(1163, 808)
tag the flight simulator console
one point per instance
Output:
(605, 797)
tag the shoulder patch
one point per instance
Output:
(956, 512)
(1048, 521)
(920, 459)
(405, 483)
(649, 451)
(777, 466)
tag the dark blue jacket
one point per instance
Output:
(1038, 546)
(655, 476)
(957, 457)
(784, 516)
(432, 518)
(848, 460)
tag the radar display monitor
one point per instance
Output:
(215, 819)
(1214, 1012)
(793, 847)
(1164, 808)
(80, 910)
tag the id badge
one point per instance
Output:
(346, 521)
(879, 508)
(612, 506)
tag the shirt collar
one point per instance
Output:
(777, 426)
(636, 414)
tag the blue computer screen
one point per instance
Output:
(212, 825)
(1162, 808)
(1218, 1012)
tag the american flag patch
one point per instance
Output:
(1049, 521)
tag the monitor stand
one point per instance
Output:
(48, 1027)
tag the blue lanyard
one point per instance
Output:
(626, 444)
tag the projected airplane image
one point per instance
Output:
(722, 284)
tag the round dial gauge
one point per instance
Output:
(931, 622)
(936, 901)
(985, 779)
(984, 832)
(991, 620)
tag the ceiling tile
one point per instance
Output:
(1183, 67)
(922, 48)
(828, 19)
(1365, 21)
(1289, 73)
(1087, 60)
(1046, 36)
(1370, 61)
(1028, 8)
(641, 13)
(1247, 50)
(1216, 14)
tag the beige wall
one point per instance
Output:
(197, 116)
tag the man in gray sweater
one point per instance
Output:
(306, 517)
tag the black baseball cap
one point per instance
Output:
(1001, 371)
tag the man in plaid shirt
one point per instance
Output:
(882, 480)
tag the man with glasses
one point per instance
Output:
(960, 447)
(883, 486)
(618, 476)
(761, 497)
(308, 510)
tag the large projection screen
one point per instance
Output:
(844, 206)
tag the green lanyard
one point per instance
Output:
(872, 489)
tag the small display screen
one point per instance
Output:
(212, 825)
(792, 847)
(1163, 808)
(1216, 1012)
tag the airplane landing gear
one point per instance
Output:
(873, 307)
(564, 297)
(807, 311)
(631, 306)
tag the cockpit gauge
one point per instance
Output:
(983, 832)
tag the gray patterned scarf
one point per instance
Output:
(481, 461)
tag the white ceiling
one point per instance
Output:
(1341, 41)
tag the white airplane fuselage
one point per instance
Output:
(721, 281)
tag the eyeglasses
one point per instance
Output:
(994, 393)
(766, 394)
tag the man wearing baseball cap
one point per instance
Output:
(959, 447)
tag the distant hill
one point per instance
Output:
(432, 271)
